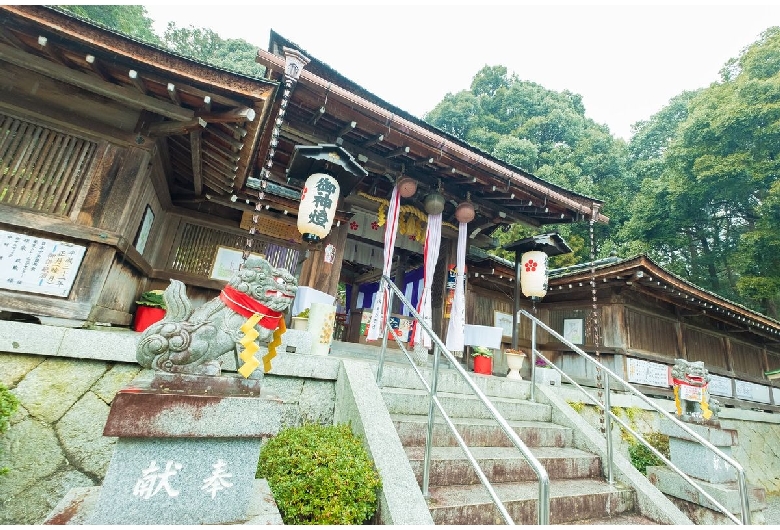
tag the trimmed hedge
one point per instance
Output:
(320, 474)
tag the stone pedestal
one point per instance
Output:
(713, 474)
(186, 453)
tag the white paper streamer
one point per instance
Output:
(379, 311)
(457, 323)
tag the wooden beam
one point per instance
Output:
(197, 165)
(172, 128)
(206, 104)
(88, 82)
(423, 162)
(398, 152)
(347, 128)
(137, 82)
(317, 115)
(231, 116)
(49, 50)
(232, 142)
(225, 164)
(238, 132)
(373, 141)
(11, 39)
(173, 94)
(229, 155)
(97, 68)
(219, 166)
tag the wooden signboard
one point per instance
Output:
(38, 265)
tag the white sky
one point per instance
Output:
(626, 60)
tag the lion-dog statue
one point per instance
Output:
(191, 342)
(691, 391)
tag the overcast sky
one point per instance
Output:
(627, 61)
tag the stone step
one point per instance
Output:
(570, 501)
(398, 373)
(415, 402)
(622, 519)
(480, 432)
(449, 465)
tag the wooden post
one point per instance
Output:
(318, 273)
(400, 279)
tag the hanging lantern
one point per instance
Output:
(319, 199)
(464, 213)
(407, 187)
(434, 203)
(533, 274)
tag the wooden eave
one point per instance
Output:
(389, 145)
(644, 276)
(208, 121)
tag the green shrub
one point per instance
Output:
(578, 406)
(8, 405)
(320, 474)
(641, 456)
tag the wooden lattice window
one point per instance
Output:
(40, 168)
(198, 247)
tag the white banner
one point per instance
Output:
(647, 373)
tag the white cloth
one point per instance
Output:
(431, 256)
(379, 310)
(487, 336)
(306, 296)
(458, 313)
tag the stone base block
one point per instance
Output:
(79, 503)
(547, 377)
(700, 509)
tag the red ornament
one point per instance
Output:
(530, 266)
(353, 225)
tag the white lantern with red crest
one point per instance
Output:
(533, 274)
(319, 199)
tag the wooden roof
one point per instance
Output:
(327, 108)
(644, 276)
(205, 121)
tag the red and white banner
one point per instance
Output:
(380, 309)
(431, 256)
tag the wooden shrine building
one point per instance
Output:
(143, 166)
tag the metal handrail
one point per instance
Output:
(610, 416)
(543, 506)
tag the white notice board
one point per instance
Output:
(38, 265)
(647, 373)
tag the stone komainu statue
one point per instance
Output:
(691, 391)
(190, 342)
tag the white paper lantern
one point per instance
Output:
(319, 199)
(533, 273)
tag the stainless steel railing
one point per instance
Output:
(543, 506)
(609, 416)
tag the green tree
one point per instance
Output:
(130, 20)
(547, 134)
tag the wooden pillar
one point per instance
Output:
(439, 287)
(318, 273)
(400, 278)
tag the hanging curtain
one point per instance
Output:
(430, 256)
(458, 314)
(379, 311)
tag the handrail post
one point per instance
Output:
(533, 360)
(381, 292)
(744, 497)
(608, 427)
(429, 432)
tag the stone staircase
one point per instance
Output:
(579, 494)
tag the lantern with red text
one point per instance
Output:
(533, 274)
(319, 199)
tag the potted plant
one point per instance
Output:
(301, 320)
(514, 359)
(151, 309)
(545, 375)
(483, 360)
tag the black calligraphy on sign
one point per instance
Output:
(323, 201)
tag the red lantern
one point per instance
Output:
(407, 187)
(465, 213)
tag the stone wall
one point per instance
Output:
(758, 449)
(56, 440)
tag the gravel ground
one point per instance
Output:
(772, 512)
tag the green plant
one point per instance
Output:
(320, 474)
(8, 405)
(152, 299)
(641, 456)
(303, 314)
(481, 351)
(578, 406)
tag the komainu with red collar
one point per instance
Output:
(191, 342)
